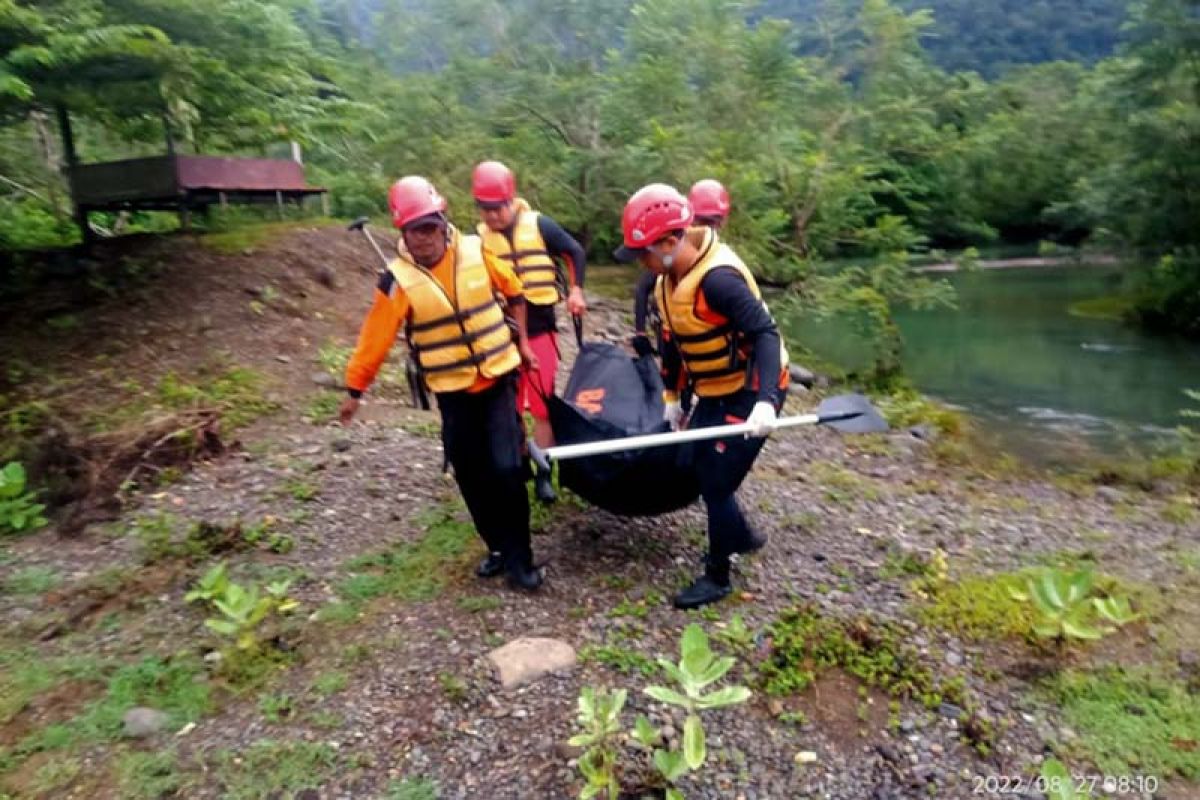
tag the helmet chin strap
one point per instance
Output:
(669, 259)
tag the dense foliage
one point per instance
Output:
(836, 131)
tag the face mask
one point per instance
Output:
(668, 260)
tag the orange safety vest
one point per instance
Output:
(528, 254)
(718, 361)
(456, 341)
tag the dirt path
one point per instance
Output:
(382, 688)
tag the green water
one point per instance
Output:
(1049, 385)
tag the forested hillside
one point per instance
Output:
(838, 136)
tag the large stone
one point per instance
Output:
(802, 376)
(141, 722)
(524, 660)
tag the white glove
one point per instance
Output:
(762, 419)
(673, 415)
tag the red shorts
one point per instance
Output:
(545, 347)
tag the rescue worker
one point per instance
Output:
(441, 289)
(710, 204)
(721, 341)
(530, 242)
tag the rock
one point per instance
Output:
(907, 725)
(951, 711)
(341, 445)
(806, 757)
(802, 376)
(1189, 659)
(326, 380)
(325, 276)
(566, 752)
(524, 660)
(282, 359)
(1110, 494)
(953, 658)
(141, 722)
(889, 753)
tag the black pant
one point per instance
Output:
(721, 466)
(484, 439)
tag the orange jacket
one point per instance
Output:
(391, 307)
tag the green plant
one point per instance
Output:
(242, 610)
(149, 776)
(698, 669)
(736, 635)
(267, 768)
(276, 707)
(454, 687)
(600, 718)
(31, 580)
(1066, 605)
(330, 683)
(18, 511)
(1129, 721)
(412, 789)
(1058, 783)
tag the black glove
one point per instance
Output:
(641, 345)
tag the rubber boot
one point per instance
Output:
(491, 566)
(522, 574)
(710, 587)
(543, 486)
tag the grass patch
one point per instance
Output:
(1131, 722)
(268, 769)
(149, 775)
(417, 570)
(480, 604)
(24, 674)
(31, 580)
(841, 485)
(622, 659)
(238, 393)
(806, 643)
(330, 683)
(412, 789)
(244, 237)
(176, 688)
(980, 607)
(276, 707)
(906, 407)
(322, 408)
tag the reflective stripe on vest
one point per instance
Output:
(456, 342)
(717, 360)
(528, 255)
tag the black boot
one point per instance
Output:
(751, 543)
(543, 486)
(522, 574)
(491, 566)
(708, 588)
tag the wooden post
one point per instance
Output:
(72, 159)
(185, 217)
(296, 156)
(279, 203)
(224, 201)
(325, 204)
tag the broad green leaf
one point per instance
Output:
(1047, 630)
(670, 764)
(716, 670)
(1059, 783)
(1079, 586)
(1114, 609)
(664, 695)
(728, 696)
(674, 794)
(693, 742)
(221, 626)
(1079, 629)
(672, 671)
(644, 732)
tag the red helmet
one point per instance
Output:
(709, 199)
(413, 197)
(651, 213)
(492, 182)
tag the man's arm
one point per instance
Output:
(562, 245)
(641, 300)
(375, 339)
(505, 281)
(728, 294)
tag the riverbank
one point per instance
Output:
(886, 655)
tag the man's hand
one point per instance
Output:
(348, 409)
(762, 419)
(575, 302)
(528, 357)
(673, 415)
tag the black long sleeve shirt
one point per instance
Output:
(641, 300)
(729, 295)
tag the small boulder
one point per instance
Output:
(525, 660)
(142, 722)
